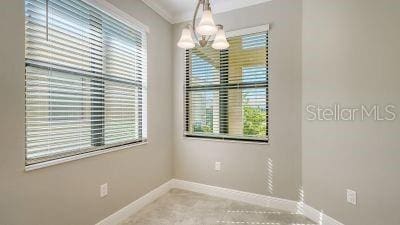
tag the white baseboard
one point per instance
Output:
(319, 217)
(256, 199)
(135, 206)
(251, 198)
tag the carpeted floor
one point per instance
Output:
(180, 207)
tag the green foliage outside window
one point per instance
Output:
(254, 121)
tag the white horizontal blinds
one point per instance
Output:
(85, 80)
(226, 92)
(125, 61)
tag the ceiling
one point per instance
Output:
(176, 11)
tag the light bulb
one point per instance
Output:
(186, 40)
(220, 41)
(206, 25)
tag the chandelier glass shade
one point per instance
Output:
(186, 40)
(206, 25)
(204, 31)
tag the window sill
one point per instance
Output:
(199, 138)
(81, 156)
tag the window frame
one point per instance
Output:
(227, 138)
(122, 17)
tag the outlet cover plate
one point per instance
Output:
(103, 190)
(351, 197)
(217, 166)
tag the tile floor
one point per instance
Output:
(179, 207)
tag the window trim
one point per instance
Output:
(118, 14)
(83, 156)
(123, 17)
(222, 138)
(246, 31)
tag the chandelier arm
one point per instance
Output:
(194, 20)
(208, 39)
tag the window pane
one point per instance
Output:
(247, 112)
(254, 106)
(205, 65)
(57, 113)
(205, 112)
(121, 117)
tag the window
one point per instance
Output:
(85, 80)
(226, 92)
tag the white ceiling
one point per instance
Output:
(176, 11)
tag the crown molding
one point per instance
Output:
(221, 7)
(217, 6)
(158, 9)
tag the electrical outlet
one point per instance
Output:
(103, 190)
(351, 197)
(217, 166)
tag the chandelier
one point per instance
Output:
(206, 29)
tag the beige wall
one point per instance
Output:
(69, 193)
(351, 55)
(245, 166)
(347, 52)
